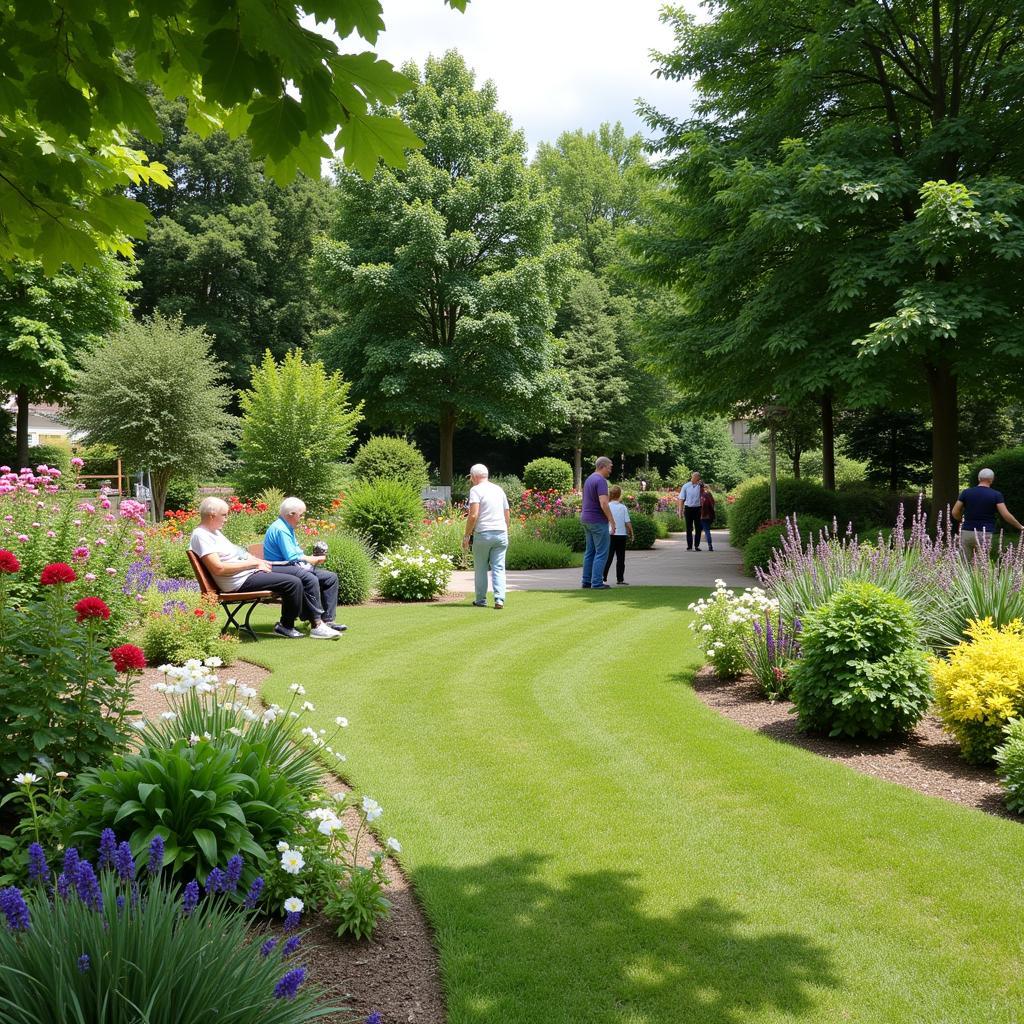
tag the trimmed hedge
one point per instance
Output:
(753, 506)
(532, 553)
(548, 474)
(566, 530)
(391, 458)
(385, 512)
(757, 552)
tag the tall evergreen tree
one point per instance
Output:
(444, 276)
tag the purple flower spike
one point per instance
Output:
(291, 945)
(88, 887)
(124, 862)
(38, 869)
(291, 920)
(63, 886)
(375, 1018)
(234, 873)
(215, 881)
(268, 947)
(108, 847)
(71, 864)
(156, 855)
(190, 898)
(83, 963)
(14, 909)
(288, 986)
(253, 896)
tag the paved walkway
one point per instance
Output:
(667, 564)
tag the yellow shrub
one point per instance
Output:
(981, 687)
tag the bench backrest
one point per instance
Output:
(206, 584)
(256, 550)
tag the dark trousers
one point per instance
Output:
(705, 525)
(616, 550)
(286, 585)
(319, 591)
(692, 517)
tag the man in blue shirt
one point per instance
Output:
(976, 509)
(320, 586)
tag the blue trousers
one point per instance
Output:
(595, 554)
(489, 547)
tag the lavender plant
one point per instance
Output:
(770, 649)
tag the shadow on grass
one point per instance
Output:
(516, 948)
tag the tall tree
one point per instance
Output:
(154, 392)
(444, 276)
(48, 323)
(874, 151)
(69, 102)
(228, 249)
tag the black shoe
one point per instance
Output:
(622, 583)
(696, 549)
(584, 586)
(601, 586)
(689, 549)
(711, 549)
(288, 632)
(336, 626)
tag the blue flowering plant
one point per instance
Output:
(39, 801)
(81, 943)
(770, 649)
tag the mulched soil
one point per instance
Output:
(396, 972)
(927, 760)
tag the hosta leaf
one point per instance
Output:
(207, 842)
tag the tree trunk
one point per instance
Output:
(942, 389)
(828, 442)
(159, 482)
(21, 430)
(447, 453)
(796, 463)
(577, 468)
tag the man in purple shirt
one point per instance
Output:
(598, 524)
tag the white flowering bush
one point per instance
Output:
(724, 623)
(414, 574)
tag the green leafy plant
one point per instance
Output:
(391, 458)
(567, 530)
(757, 552)
(548, 474)
(182, 626)
(861, 672)
(351, 559)
(526, 552)
(413, 574)
(723, 623)
(40, 795)
(1009, 758)
(296, 423)
(753, 506)
(111, 942)
(645, 533)
(444, 536)
(385, 512)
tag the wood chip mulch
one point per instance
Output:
(395, 973)
(927, 759)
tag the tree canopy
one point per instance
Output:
(70, 100)
(444, 276)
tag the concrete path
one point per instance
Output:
(667, 564)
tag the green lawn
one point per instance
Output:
(592, 844)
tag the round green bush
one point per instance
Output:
(647, 502)
(548, 475)
(533, 553)
(757, 552)
(861, 672)
(351, 558)
(567, 530)
(385, 512)
(645, 533)
(391, 458)
(1010, 765)
(753, 506)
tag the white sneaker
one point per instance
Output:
(324, 632)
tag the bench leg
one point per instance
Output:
(246, 625)
(231, 611)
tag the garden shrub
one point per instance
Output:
(757, 552)
(391, 458)
(567, 530)
(385, 512)
(861, 673)
(548, 474)
(672, 522)
(413, 574)
(661, 527)
(182, 494)
(866, 507)
(56, 456)
(525, 552)
(723, 623)
(1009, 758)
(1008, 466)
(511, 485)
(120, 938)
(647, 501)
(678, 475)
(444, 537)
(645, 533)
(753, 506)
(980, 688)
(170, 556)
(184, 625)
(63, 695)
(351, 558)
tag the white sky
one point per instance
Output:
(557, 64)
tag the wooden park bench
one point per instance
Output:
(233, 603)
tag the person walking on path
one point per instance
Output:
(707, 514)
(688, 506)
(976, 510)
(598, 525)
(487, 526)
(623, 532)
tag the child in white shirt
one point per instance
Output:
(623, 532)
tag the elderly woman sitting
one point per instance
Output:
(232, 568)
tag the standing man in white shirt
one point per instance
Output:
(688, 506)
(487, 525)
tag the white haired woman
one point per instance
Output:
(232, 568)
(487, 525)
